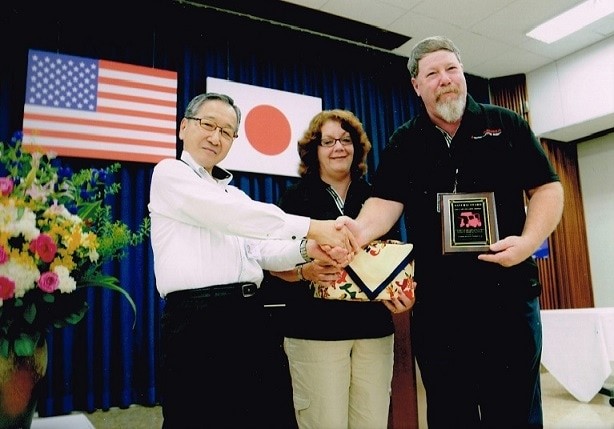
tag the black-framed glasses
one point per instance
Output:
(328, 142)
(227, 134)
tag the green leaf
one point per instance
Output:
(88, 210)
(111, 283)
(49, 298)
(25, 344)
(72, 318)
(30, 313)
(4, 347)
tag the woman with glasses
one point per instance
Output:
(340, 353)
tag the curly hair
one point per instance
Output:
(308, 144)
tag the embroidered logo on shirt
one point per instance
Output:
(488, 132)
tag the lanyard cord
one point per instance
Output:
(338, 201)
(448, 139)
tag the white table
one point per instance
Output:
(578, 348)
(72, 421)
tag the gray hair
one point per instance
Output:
(428, 46)
(195, 104)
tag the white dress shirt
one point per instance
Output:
(206, 232)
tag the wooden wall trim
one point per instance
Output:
(565, 273)
(404, 400)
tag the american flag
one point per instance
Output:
(87, 108)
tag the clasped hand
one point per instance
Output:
(335, 245)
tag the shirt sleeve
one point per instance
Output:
(275, 255)
(392, 176)
(177, 192)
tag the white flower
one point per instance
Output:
(40, 192)
(93, 255)
(14, 225)
(24, 276)
(59, 210)
(67, 283)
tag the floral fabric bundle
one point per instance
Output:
(382, 271)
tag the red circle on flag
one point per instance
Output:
(267, 129)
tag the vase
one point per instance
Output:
(20, 386)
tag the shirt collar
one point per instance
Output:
(220, 174)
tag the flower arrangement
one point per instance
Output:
(56, 232)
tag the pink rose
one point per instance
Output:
(7, 288)
(44, 246)
(4, 256)
(48, 281)
(6, 186)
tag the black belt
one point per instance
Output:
(232, 290)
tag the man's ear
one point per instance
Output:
(415, 85)
(182, 126)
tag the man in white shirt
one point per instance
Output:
(211, 243)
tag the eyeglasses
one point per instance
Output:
(345, 141)
(227, 134)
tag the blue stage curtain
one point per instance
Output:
(105, 361)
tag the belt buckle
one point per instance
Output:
(248, 289)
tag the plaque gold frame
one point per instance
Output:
(468, 221)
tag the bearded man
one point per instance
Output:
(475, 326)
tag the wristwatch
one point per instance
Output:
(303, 248)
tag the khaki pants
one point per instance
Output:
(341, 384)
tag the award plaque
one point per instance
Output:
(468, 222)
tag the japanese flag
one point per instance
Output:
(272, 122)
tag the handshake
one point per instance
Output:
(335, 242)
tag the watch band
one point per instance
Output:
(303, 249)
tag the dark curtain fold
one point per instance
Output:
(110, 358)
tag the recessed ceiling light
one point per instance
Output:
(573, 20)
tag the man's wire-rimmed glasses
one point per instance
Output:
(227, 134)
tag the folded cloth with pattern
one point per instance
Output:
(383, 270)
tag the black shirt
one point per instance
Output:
(494, 150)
(315, 318)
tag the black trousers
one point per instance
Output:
(479, 363)
(211, 363)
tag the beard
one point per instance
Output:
(451, 110)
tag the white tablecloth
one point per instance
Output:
(73, 421)
(578, 348)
